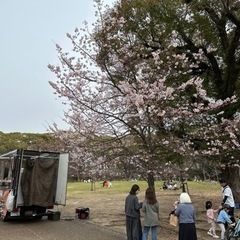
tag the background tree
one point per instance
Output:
(31, 141)
(163, 74)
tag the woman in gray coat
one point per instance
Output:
(132, 211)
(151, 214)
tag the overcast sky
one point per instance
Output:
(28, 30)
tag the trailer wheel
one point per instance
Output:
(6, 217)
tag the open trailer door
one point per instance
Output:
(61, 191)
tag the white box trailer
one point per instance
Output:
(38, 182)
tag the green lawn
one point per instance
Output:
(118, 187)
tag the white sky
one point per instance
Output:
(28, 31)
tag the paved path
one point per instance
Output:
(56, 230)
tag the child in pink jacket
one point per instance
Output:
(211, 219)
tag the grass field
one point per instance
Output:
(119, 187)
(107, 204)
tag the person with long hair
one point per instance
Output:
(187, 218)
(150, 209)
(132, 212)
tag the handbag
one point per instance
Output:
(9, 202)
(173, 220)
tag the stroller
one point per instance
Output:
(233, 233)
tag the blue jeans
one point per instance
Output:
(146, 230)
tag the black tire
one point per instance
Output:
(6, 218)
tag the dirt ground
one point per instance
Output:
(109, 212)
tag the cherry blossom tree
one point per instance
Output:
(154, 79)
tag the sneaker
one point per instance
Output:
(215, 236)
(209, 233)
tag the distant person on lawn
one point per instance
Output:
(132, 211)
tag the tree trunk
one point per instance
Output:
(231, 175)
(150, 180)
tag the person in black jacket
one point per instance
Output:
(132, 212)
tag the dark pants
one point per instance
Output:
(231, 212)
(231, 215)
(187, 231)
(134, 228)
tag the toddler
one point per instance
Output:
(211, 219)
(224, 218)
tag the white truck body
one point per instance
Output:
(39, 181)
